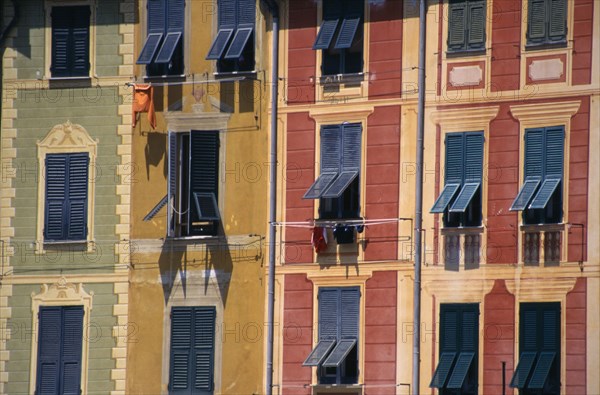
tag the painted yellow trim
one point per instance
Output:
(471, 120)
(62, 293)
(48, 32)
(544, 115)
(62, 139)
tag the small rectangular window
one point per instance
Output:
(233, 46)
(540, 197)
(466, 25)
(162, 52)
(70, 41)
(547, 23)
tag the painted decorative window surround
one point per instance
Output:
(66, 138)
(451, 122)
(61, 293)
(533, 116)
(339, 33)
(70, 38)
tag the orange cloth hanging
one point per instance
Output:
(143, 102)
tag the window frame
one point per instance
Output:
(465, 50)
(546, 42)
(48, 6)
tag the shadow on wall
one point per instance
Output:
(155, 150)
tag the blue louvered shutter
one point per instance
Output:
(49, 348)
(349, 313)
(449, 329)
(56, 197)
(454, 158)
(72, 338)
(473, 170)
(245, 17)
(469, 328)
(70, 41)
(536, 30)
(557, 22)
(61, 33)
(181, 344)
(174, 30)
(80, 66)
(477, 18)
(457, 21)
(203, 349)
(329, 311)
(77, 196)
(227, 18)
(349, 168)
(204, 167)
(347, 32)
(331, 151)
(157, 18)
(172, 183)
(554, 152)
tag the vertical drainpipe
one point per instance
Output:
(274, 10)
(419, 201)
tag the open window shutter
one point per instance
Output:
(529, 329)
(469, 328)
(172, 184)
(558, 20)
(204, 164)
(329, 311)
(246, 15)
(554, 150)
(203, 351)
(350, 304)
(350, 147)
(551, 327)
(246, 12)
(473, 169)
(533, 153)
(175, 24)
(457, 25)
(331, 148)
(537, 22)
(477, 17)
(156, 29)
(454, 158)
(347, 32)
(49, 339)
(80, 19)
(450, 330)
(61, 47)
(78, 196)
(227, 26)
(71, 350)
(56, 197)
(181, 343)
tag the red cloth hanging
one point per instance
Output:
(143, 102)
(319, 239)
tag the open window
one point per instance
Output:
(162, 52)
(547, 23)
(538, 369)
(338, 185)
(460, 200)
(340, 37)
(336, 353)
(456, 372)
(540, 197)
(233, 46)
(466, 25)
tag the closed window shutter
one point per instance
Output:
(349, 309)
(246, 10)
(349, 163)
(557, 29)
(554, 152)
(56, 197)
(477, 17)
(246, 15)
(204, 165)
(61, 47)
(450, 332)
(454, 158)
(80, 19)
(457, 25)
(328, 313)
(550, 318)
(203, 351)
(473, 168)
(529, 329)
(77, 196)
(181, 343)
(172, 183)
(533, 153)
(71, 350)
(537, 22)
(49, 348)
(331, 148)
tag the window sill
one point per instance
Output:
(337, 388)
(69, 82)
(465, 53)
(191, 238)
(61, 242)
(542, 227)
(165, 78)
(546, 45)
(462, 230)
(223, 76)
(335, 79)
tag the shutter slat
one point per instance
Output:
(454, 158)
(544, 194)
(457, 25)
(331, 143)
(339, 185)
(525, 194)
(246, 12)
(339, 353)
(227, 14)
(350, 304)
(464, 197)
(326, 33)
(204, 344)
(541, 370)
(175, 16)
(329, 310)
(473, 156)
(347, 32)
(181, 342)
(156, 16)
(239, 42)
(61, 34)
(203, 367)
(443, 370)
(529, 332)
(469, 329)
(523, 368)
(463, 363)
(81, 41)
(168, 48)
(554, 151)
(445, 198)
(477, 18)
(149, 49)
(557, 29)
(449, 321)
(321, 184)
(537, 22)
(78, 189)
(219, 44)
(56, 196)
(319, 353)
(204, 171)
(351, 146)
(533, 152)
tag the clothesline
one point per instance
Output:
(195, 81)
(322, 223)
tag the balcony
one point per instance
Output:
(542, 244)
(462, 247)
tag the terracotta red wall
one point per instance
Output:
(576, 339)
(582, 42)
(297, 333)
(578, 181)
(498, 339)
(382, 192)
(380, 333)
(385, 50)
(502, 183)
(301, 57)
(299, 175)
(506, 41)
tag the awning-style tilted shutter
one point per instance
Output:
(236, 26)
(463, 363)
(443, 370)
(165, 31)
(524, 366)
(318, 354)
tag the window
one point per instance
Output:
(547, 22)
(59, 350)
(192, 350)
(538, 370)
(341, 37)
(233, 47)
(70, 41)
(540, 197)
(163, 50)
(460, 200)
(66, 197)
(337, 186)
(466, 25)
(456, 372)
(336, 353)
